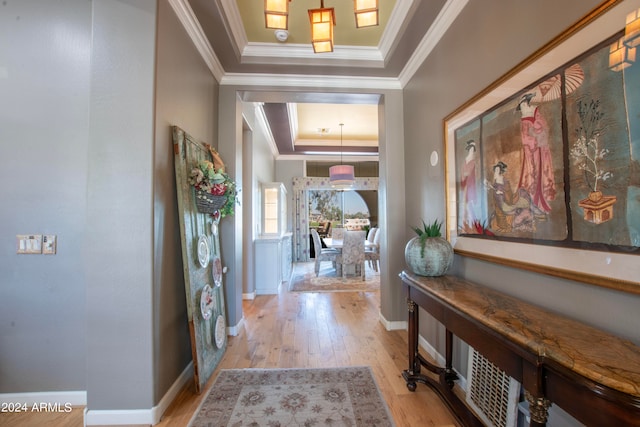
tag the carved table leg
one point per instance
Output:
(449, 374)
(414, 361)
(538, 409)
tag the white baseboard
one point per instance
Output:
(393, 325)
(440, 360)
(140, 416)
(74, 398)
(249, 296)
(235, 330)
(431, 351)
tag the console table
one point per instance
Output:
(592, 375)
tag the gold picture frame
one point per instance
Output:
(544, 219)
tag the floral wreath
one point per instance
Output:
(208, 178)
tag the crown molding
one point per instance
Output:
(443, 21)
(306, 81)
(394, 26)
(190, 22)
(292, 110)
(235, 25)
(261, 118)
(302, 54)
(324, 157)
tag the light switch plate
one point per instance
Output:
(29, 243)
(49, 242)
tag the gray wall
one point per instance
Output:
(119, 235)
(186, 96)
(230, 147)
(256, 153)
(488, 39)
(44, 114)
(107, 313)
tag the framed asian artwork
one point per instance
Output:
(543, 166)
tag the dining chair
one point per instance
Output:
(372, 233)
(372, 253)
(337, 233)
(323, 230)
(322, 254)
(352, 252)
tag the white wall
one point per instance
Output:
(44, 114)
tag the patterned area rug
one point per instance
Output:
(294, 397)
(305, 280)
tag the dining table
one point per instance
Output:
(337, 243)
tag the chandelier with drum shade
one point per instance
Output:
(342, 177)
(322, 20)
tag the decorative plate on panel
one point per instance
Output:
(220, 331)
(216, 271)
(206, 302)
(204, 253)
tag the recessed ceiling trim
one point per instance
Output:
(316, 82)
(336, 142)
(445, 18)
(324, 157)
(261, 118)
(314, 97)
(394, 26)
(300, 54)
(247, 50)
(235, 25)
(292, 111)
(190, 22)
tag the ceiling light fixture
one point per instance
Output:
(322, 22)
(276, 14)
(366, 13)
(342, 177)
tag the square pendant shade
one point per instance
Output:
(276, 14)
(342, 176)
(366, 12)
(632, 29)
(621, 56)
(322, 23)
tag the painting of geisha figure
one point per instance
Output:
(471, 203)
(556, 162)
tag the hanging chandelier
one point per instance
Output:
(342, 177)
(322, 20)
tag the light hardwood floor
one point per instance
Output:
(304, 330)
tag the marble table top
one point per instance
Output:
(588, 351)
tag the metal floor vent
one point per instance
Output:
(491, 393)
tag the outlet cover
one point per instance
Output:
(49, 242)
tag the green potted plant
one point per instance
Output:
(429, 254)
